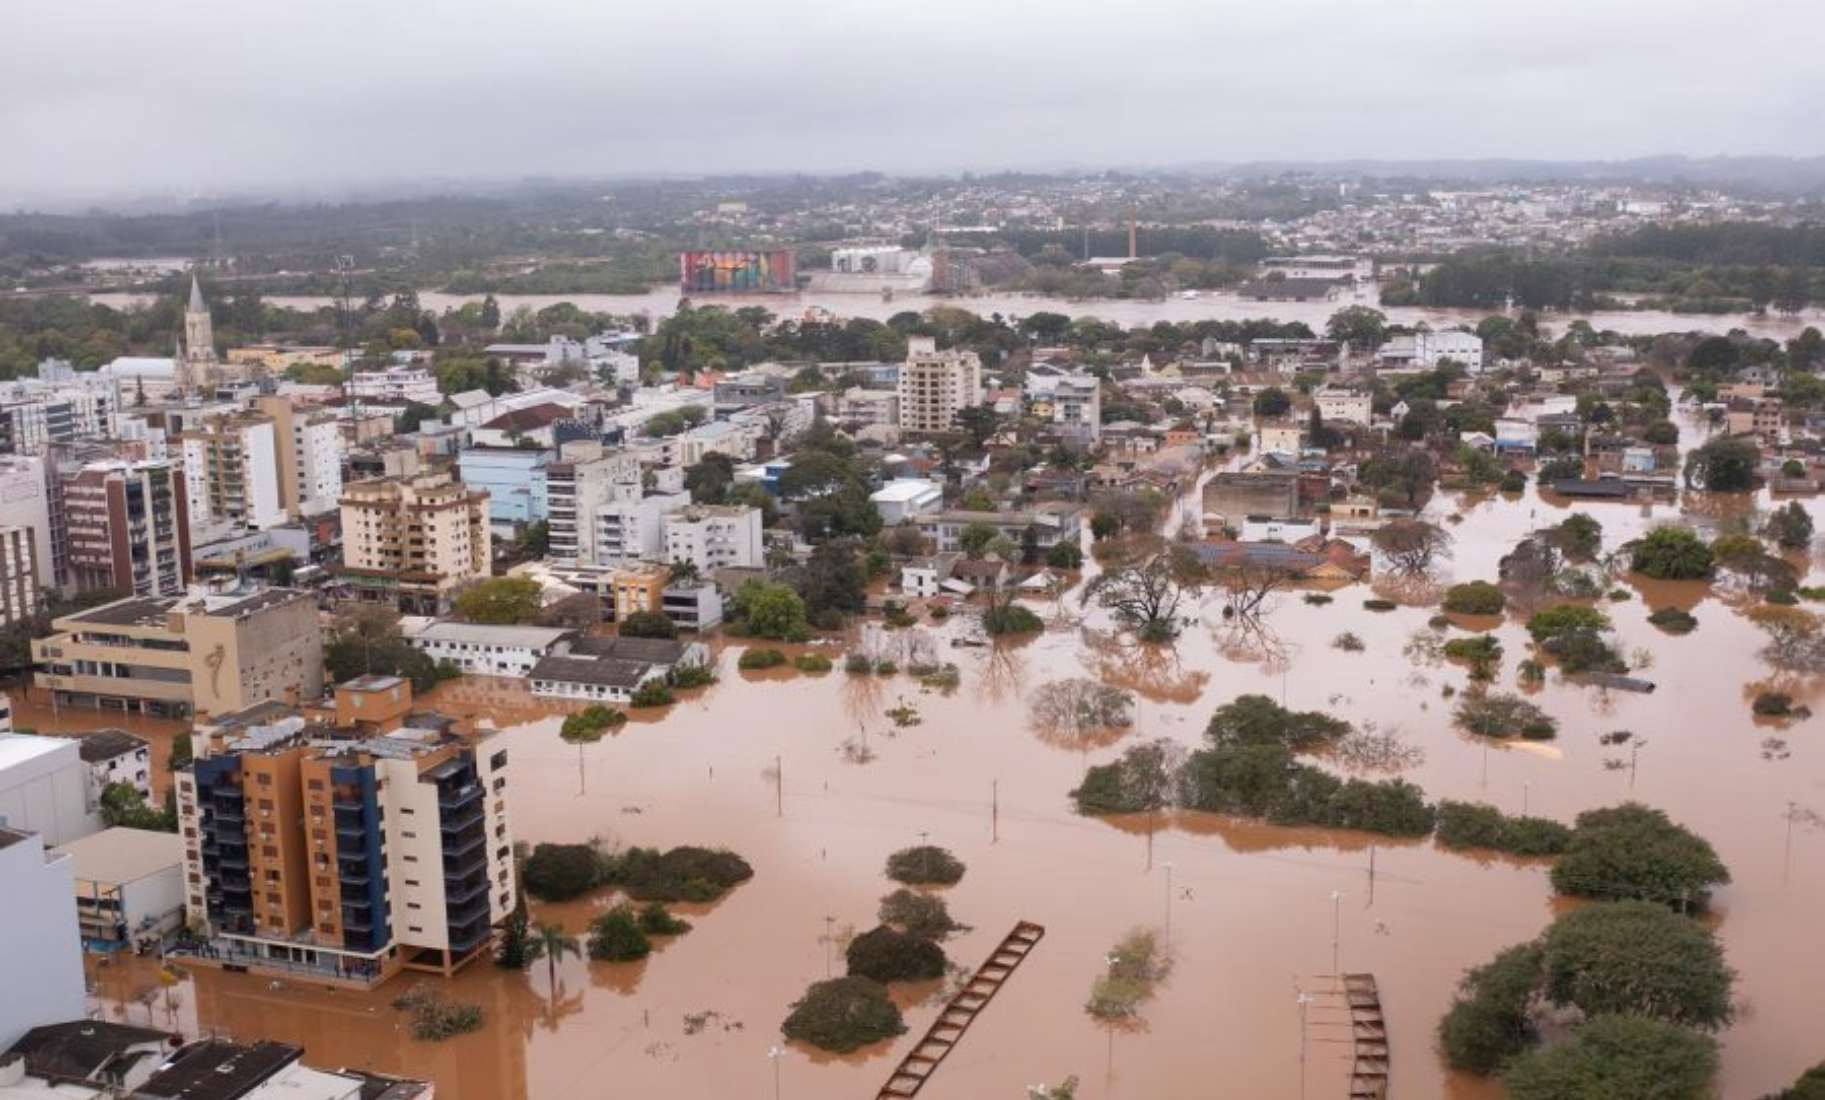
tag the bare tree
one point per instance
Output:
(1796, 638)
(1146, 596)
(1412, 546)
(1080, 713)
(1247, 586)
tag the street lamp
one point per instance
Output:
(1303, 998)
(1336, 933)
(774, 1054)
(1168, 866)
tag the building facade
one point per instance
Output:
(126, 528)
(936, 385)
(353, 856)
(712, 537)
(45, 788)
(41, 953)
(208, 652)
(411, 541)
(513, 478)
(481, 650)
(395, 386)
(20, 583)
(233, 473)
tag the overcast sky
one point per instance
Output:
(207, 96)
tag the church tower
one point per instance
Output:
(195, 368)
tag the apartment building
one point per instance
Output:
(232, 474)
(126, 528)
(936, 385)
(208, 652)
(411, 541)
(309, 446)
(600, 509)
(1072, 403)
(35, 413)
(45, 788)
(25, 502)
(713, 537)
(394, 386)
(20, 584)
(308, 846)
(1429, 349)
(867, 408)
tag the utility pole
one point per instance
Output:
(1336, 936)
(1168, 937)
(779, 787)
(994, 811)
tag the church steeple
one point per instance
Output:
(197, 362)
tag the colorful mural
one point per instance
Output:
(701, 272)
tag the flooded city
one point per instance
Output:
(766, 764)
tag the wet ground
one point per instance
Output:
(1252, 920)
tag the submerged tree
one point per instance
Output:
(1146, 596)
(1412, 546)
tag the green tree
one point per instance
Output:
(1618, 1057)
(842, 1015)
(616, 936)
(1671, 554)
(834, 584)
(647, 624)
(1639, 958)
(1636, 851)
(123, 805)
(975, 538)
(500, 601)
(366, 639)
(772, 610)
(1362, 327)
(710, 480)
(1065, 555)
(1790, 527)
(978, 423)
(414, 414)
(1489, 1022)
(1475, 598)
(560, 872)
(886, 955)
(1272, 401)
(1726, 464)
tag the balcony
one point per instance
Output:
(459, 894)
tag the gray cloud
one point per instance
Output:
(121, 96)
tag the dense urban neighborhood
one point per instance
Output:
(1355, 635)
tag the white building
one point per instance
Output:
(25, 502)
(482, 650)
(1345, 406)
(116, 756)
(936, 385)
(713, 537)
(632, 530)
(129, 883)
(867, 408)
(904, 498)
(1276, 529)
(1072, 402)
(394, 385)
(231, 474)
(1428, 349)
(611, 669)
(20, 584)
(44, 788)
(41, 953)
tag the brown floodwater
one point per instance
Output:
(1252, 919)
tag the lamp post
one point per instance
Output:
(1168, 866)
(774, 1054)
(1336, 934)
(1303, 999)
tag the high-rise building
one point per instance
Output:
(127, 528)
(936, 385)
(233, 475)
(309, 445)
(25, 502)
(41, 954)
(20, 587)
(356, 854)
(600, 510)
(209, 652)
(62, 405)
(411, 541)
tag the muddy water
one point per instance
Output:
(1211, 306)
(1252, 920)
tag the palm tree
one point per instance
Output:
(552, 944)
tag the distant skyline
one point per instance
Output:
(120, 98)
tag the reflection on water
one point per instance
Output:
(1250, 904)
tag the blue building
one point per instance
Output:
(514, 478)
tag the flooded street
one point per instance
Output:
(1251, 914)
(662, 301)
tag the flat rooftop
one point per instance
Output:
(21, 748)
(120, 855)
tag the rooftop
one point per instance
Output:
(108, 744)
(21, 748)
(532, 637)
(216, 1069)
(81, 1050)
(120, 854)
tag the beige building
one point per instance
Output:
(411, 541)
(19, 577)
(309, 445)
(936, 385)
(208, 652)
(349, 851)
